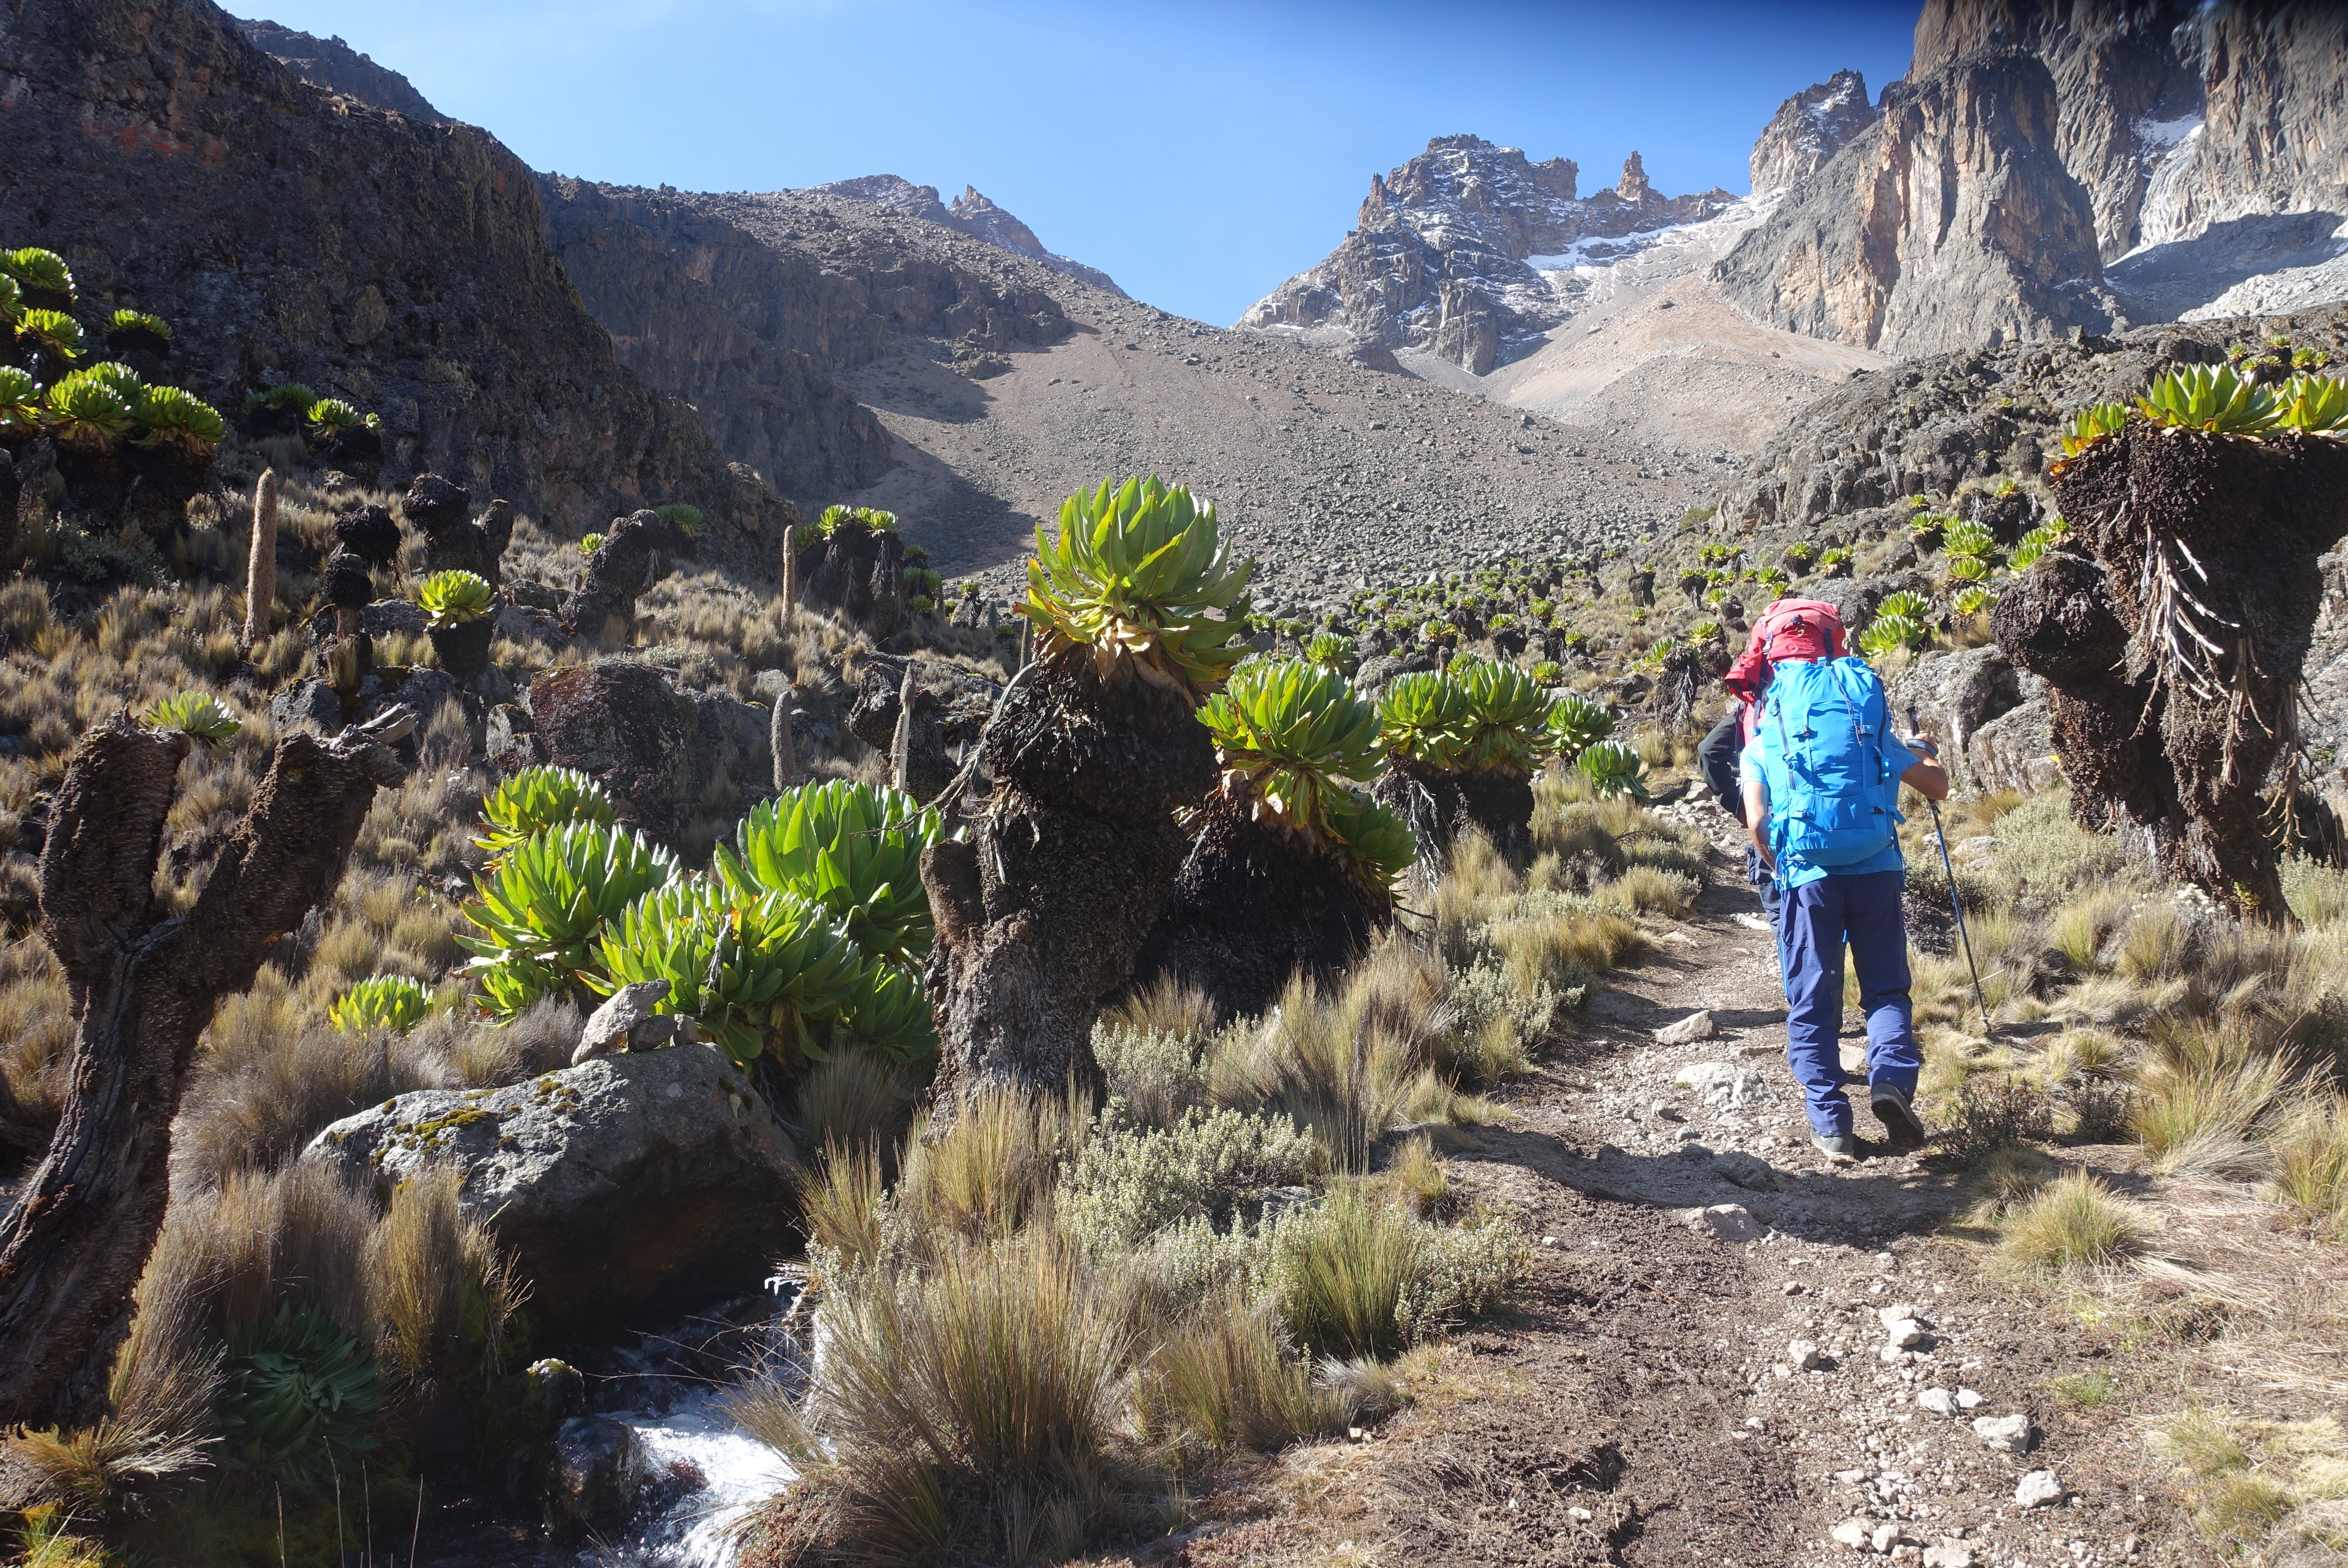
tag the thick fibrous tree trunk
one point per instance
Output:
(1257, 902)
(778, 740)
(1040, 913)
(144, 983)
(1439, 806)
(260, 565)
(2174, 667)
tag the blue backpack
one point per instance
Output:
(1833, 801)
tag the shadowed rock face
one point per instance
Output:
(663, 754)
(397, 263)
(2048, 165)
(331, 64)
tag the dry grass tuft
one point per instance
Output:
(2074, 1221)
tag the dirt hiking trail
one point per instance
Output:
(1647, 1400)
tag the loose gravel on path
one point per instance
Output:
(1670, 1393)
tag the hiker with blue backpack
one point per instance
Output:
(1821, 774)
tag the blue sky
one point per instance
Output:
(1198, 151)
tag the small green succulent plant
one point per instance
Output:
(455, 599)
(539, 913)
(853, 850)
(392, 1002)
(2212, 399)
(536, 799)
(193, 713)
(1291, 735)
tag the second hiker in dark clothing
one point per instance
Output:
(1717, 757)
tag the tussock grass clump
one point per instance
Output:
(2006, 1178)
(2316, 892)
(852, 1100)
(2309, 1147)
(991, 1169)
(1228, 1378)
(974, 1408)
(2074, 1222)
(2198, 1115)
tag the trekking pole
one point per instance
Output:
(1956, 904)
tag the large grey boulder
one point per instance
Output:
(625, 1187)
(1954, 695)
(2015, 750)
(667, 756)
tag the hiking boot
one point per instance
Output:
(1841, 1148)
(1902, 1129)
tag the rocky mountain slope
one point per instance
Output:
(2045, 167)
(1005, 385)
(971, 214)
(1469, 251)
(286, 233)
(1478, 269)
(866, 342)
(331, 64)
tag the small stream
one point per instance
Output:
(709, 1473)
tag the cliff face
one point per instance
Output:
(1448, 255)
(741, 330)
(2057, 163)
(1809, 128)
(283, 232)
(1951, 221)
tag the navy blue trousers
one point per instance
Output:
(1818, 919)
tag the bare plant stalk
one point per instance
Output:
(901, 745)
(144, 983)
(778, 740)
(260, 567)
(791, 575)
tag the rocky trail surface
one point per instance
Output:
(1728, 1352)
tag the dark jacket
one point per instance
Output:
(1716, 756)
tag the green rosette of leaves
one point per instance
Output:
(1506, 707)
(391, 1002)
(540, 912)
(855, 850)
(771, 973)
(1290, 735)
(1423, 718)
(537, 799)
(1375, 840)
(1574, 723)
(1613, 768)
(2212, 399)
(1140, 577)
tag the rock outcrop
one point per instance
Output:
(2048, 166)
(1809, 128)
(673, 761)
(742, 331)
(971, 214)
(1949, 221)
(1445, 256)
(331, 64)
(624, 1188)
(285, 230)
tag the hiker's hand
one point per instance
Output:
(1920, 746)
